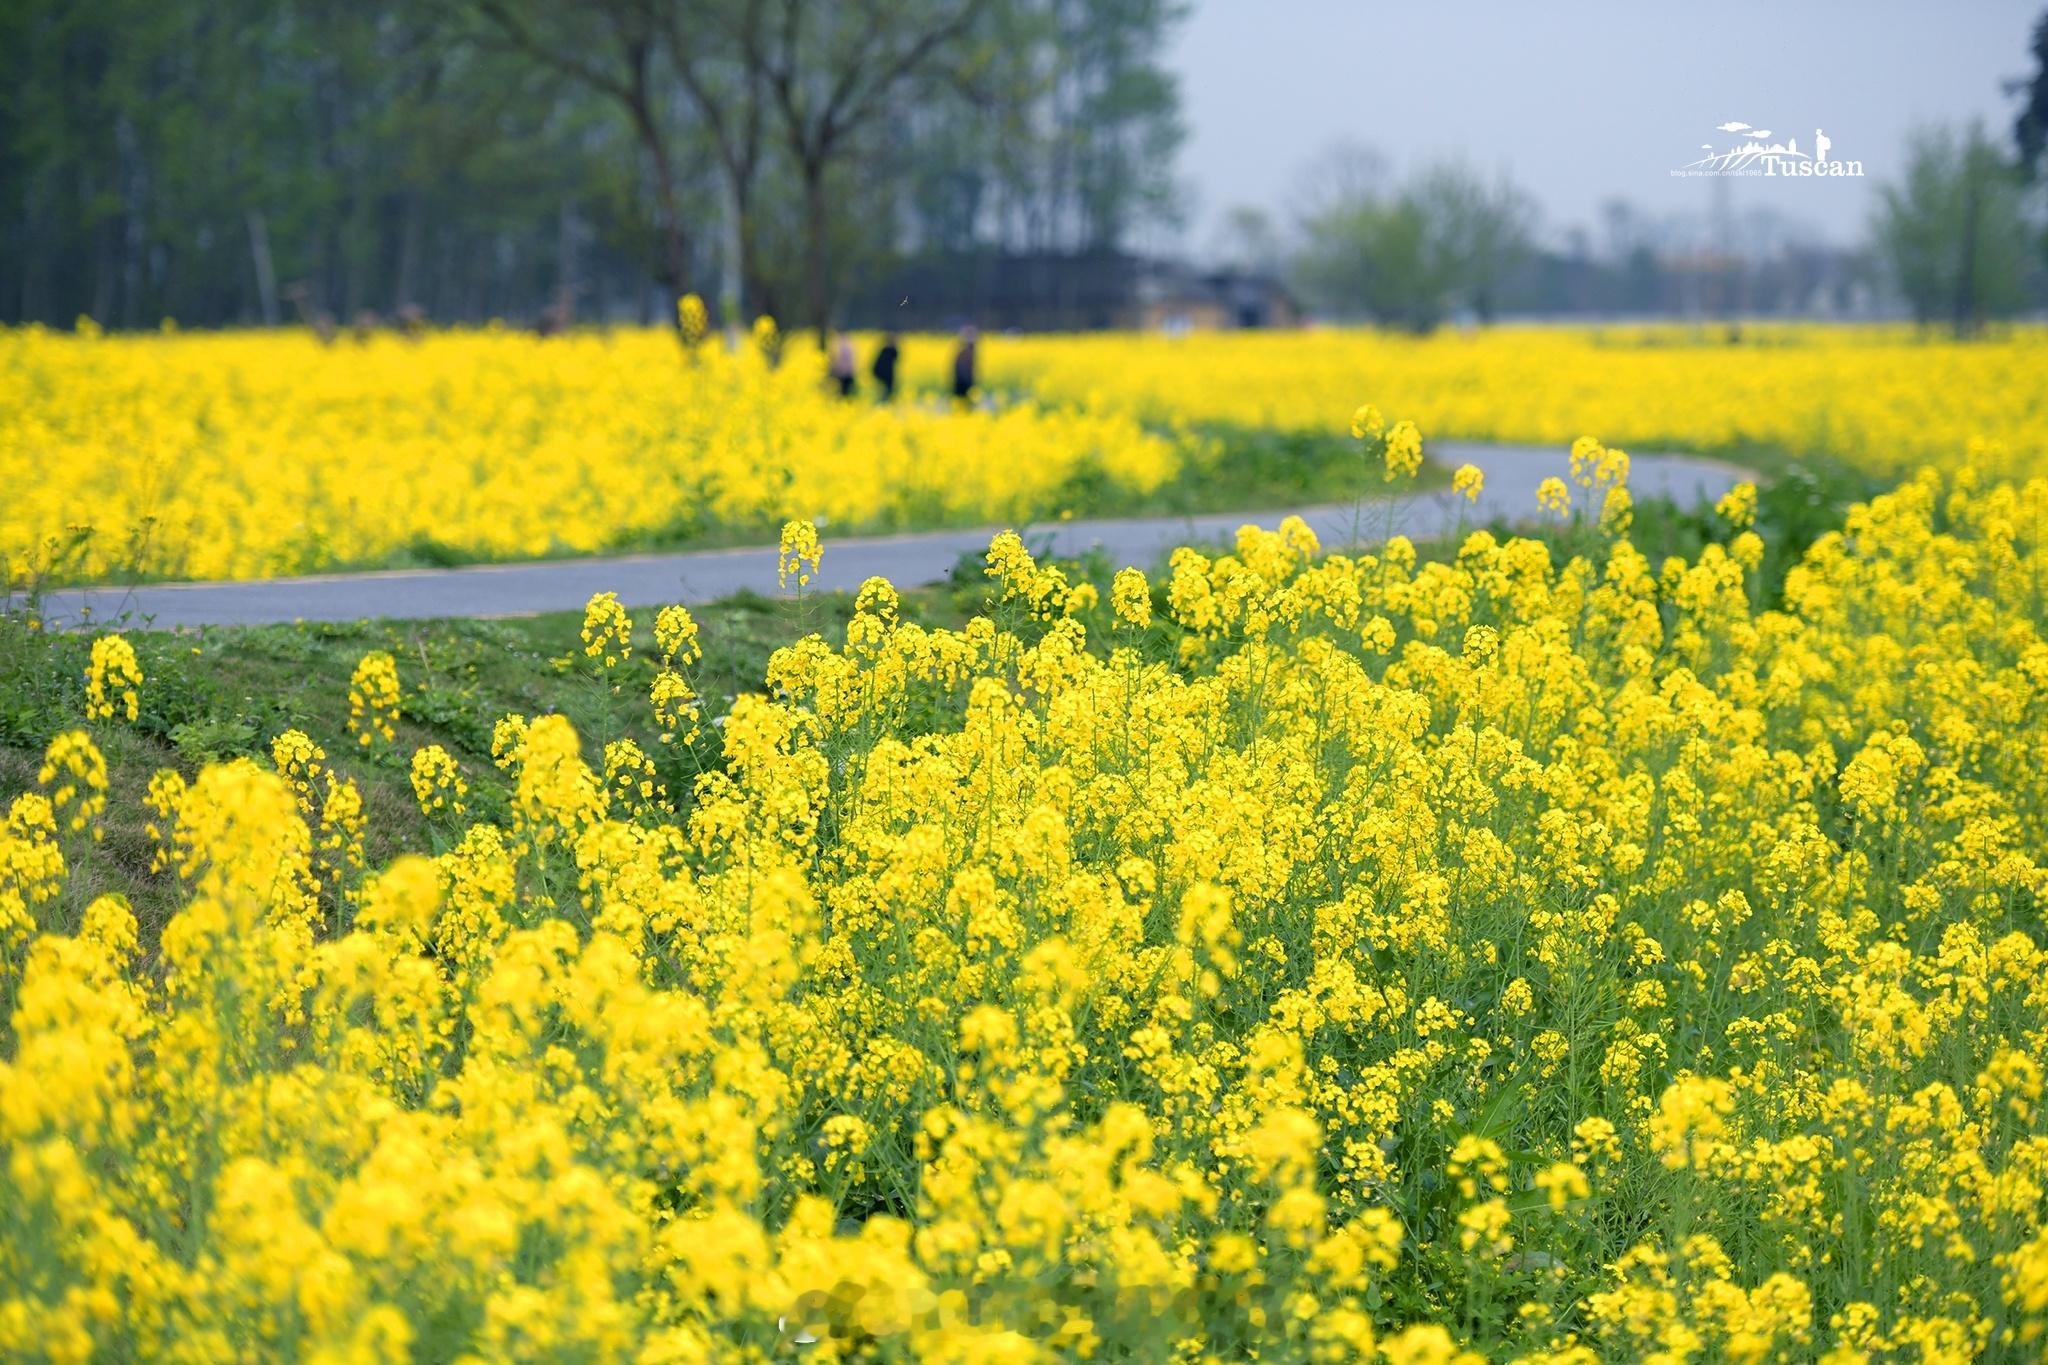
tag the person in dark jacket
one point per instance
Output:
(963, 366)
(884, 368)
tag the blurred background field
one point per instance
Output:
(296, 287)
(1018, 164)
(251, 454)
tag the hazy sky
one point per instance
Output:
(1581, 102)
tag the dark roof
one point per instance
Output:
(1047, 290)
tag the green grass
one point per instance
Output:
(1249, 470)
(228, 692)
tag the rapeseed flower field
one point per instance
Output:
(259, 454)
(1291, 955)
(1880, 399)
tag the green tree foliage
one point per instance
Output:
(2030, 127)
(1952, 231)
(249, 160)
(1406, 256)
(1063, 137)
(220, 162)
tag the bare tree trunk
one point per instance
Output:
(266, 273)
(816, 268)
(566, 287)
(731, 269)
(129, 150)
(106, 272)
(672, 269)
(408, 254)
(1966, 268)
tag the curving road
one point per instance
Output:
(1512, 475)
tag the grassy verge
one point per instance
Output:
(222, 693)
(1246, 469)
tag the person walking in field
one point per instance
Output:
(963, 366)
(840, 366)
(884, 368)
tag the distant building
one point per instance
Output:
(1177, 298)
(1069, 292)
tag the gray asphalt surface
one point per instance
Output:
(1512, 475)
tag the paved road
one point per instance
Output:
(1512, 474)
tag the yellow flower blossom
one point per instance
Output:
(112, 680)
(373, 699)
(799, 554)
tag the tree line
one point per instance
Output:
(1956, 238)
(244, 161)
(240, 161)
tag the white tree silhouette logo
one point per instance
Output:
(1758, 151)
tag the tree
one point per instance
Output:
(1115, 112)
(1064, 137)
(1248, 239)
(1375, 256)
(832, 72)
(2030, 128)
(246, 160)
(214, 162)
(733, 102)
(1952, 230)
(612, 47)
(1406, 255)
(1481, 230)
